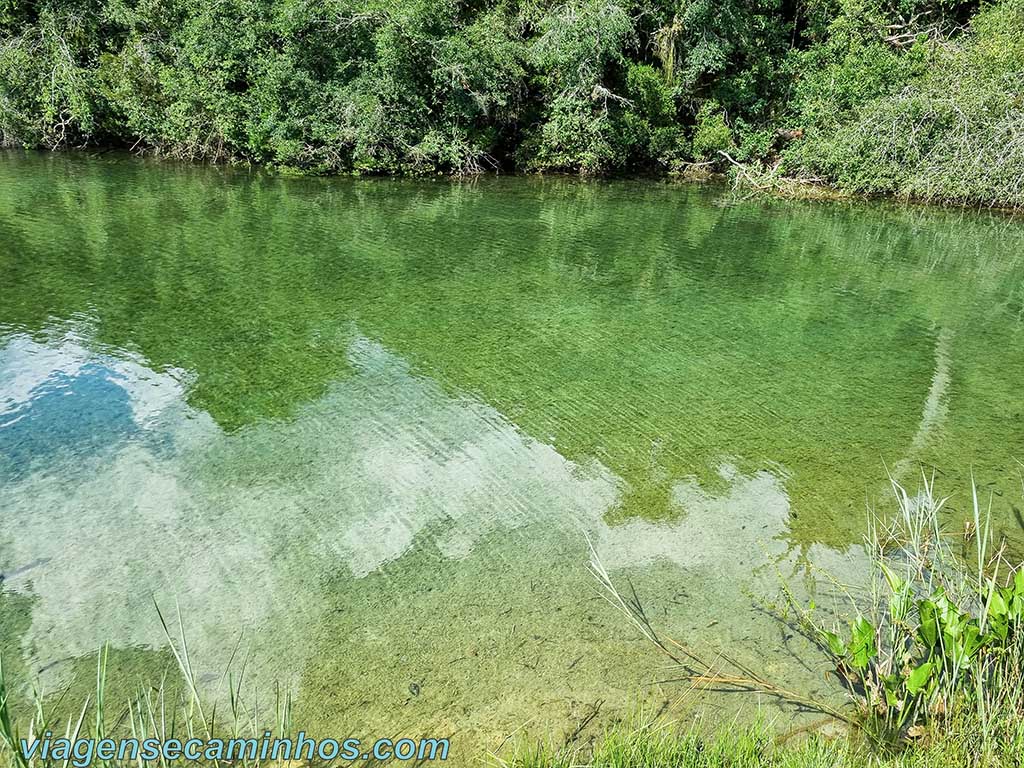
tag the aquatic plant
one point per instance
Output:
(938, 636)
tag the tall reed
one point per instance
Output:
(172, 709)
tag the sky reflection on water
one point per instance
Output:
(373, 425)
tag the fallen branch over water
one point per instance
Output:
(774, 182)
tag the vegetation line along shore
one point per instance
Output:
(920, 99)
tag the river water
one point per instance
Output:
(374, 428)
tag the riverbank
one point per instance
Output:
(745, 180)
(661, 744)
(918, 100)
(666, 746)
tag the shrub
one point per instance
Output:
(712, 134)
(943, 122)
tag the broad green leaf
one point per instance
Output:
(998, 605)
(862, 644)
(892, 698)
(918, 679)
(1016, 612)
(835, 645)
(972, 638)
(999, 627)
(899, 600)
(929, 629)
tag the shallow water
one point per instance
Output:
(373, 425)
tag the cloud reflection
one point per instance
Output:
(248, 529)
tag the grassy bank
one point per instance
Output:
(669, 746)
(913, 98)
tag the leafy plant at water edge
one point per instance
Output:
(933, 656)
(934, 639)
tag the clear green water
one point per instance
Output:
(373, 423)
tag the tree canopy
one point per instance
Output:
(917, 97)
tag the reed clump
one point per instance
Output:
(936, 645)
(172, 709)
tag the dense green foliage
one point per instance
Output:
(915, 97)
(942, 119)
